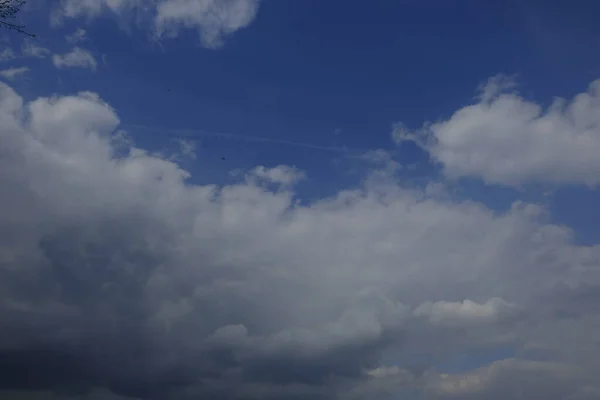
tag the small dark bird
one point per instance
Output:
(223, 158)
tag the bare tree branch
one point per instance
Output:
(9, 10)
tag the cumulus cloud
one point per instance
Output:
(13, 73)
(76, 58)
(119, 274)
(213, 19)
(506, 139)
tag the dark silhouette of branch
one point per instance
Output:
(9, 10)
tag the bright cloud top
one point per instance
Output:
(117, 272)
(213, 19)
(281, 175)
(463, 313)
(505, 139)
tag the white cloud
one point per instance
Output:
(196, 291)
(76, 58)
(89, 8)
(7, 54)
(13, 73)
(213, 19)
(281, 175)
(187, 148)
(505, 139)
(495, 86)
(463, 313)
(31, 49)
(76, 37)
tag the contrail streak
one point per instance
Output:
(196, 133)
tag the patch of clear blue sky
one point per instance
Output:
(337, 73)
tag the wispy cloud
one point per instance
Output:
(13, 73)
(31, 49)
(213, 19)
(7, 54)
(76, 58)
(78, 36)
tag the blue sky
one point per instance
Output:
(336, 74)
(315, 119)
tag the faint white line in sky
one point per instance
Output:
(197, 133)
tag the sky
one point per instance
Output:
(300, 199)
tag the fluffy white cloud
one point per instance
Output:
(505, 139)
(13, 73)
(116, 270)
(76, 58)
(213, 19)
